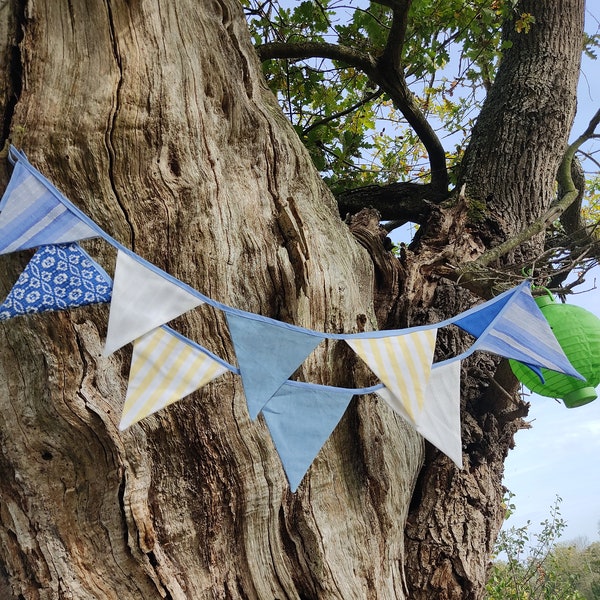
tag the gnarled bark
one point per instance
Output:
(508, 174)
(153, 118)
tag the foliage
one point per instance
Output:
(591, 208)
(534, 566)
(354, 134)
(363, 126)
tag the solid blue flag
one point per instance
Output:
(34, 213)
(300, 419)
(267, 355)
(478, 319)
(57, 277)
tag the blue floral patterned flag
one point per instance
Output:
(57, 277)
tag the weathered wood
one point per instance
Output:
(153, 118)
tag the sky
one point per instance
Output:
(560, 454)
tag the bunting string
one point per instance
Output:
(167, 366)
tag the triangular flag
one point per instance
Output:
(476, 320)
(439, 421)
(521, 332)
(267, 354)
(143, 299)
(165, 367)
(300, 419)
(402, 362)
(35, 214)
(56, 278)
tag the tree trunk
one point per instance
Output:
(507, 180)
(153, 118)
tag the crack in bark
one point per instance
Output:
(110, 128)
(16, 74)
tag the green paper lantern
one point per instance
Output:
(578, 333)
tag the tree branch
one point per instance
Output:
(300, 50)
(569, 196)
(395, 40)
(386, 72)
(401, 201)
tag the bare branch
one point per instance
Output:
(392, 52)
(300, 50)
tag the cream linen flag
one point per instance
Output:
(143, 298)
(439, 421)
(165, 367)
(402, 362)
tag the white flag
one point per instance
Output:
(439, 421)
(143, 298)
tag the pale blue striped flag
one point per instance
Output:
(520, 331)
(34, 213)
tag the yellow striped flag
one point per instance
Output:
(402, 362)
(165, 367)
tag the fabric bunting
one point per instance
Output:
(143, 299)
(300, 419)
(56, 278)
(35, 214)
(439, 421)
(479, 318)
(267, 355)
(521, 332)
(165, 367)
(402, 362)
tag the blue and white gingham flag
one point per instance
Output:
(516, 328)
(34, 213)
(56, 278)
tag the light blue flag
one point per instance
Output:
(520, 331)
(267, 354)
(56, 278)
(34, 213)
(300, 419)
